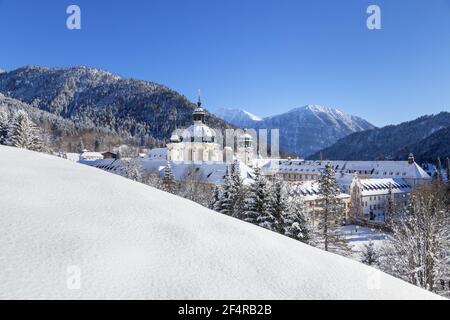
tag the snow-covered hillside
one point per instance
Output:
(131, 241)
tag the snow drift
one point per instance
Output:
(133, 242)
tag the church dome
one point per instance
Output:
(199, 110)
(199, 132)
(175, 138)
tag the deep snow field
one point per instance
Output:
(129, 241)
(358, 237)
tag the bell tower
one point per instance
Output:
(199, 113)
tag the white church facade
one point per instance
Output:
(200, 143)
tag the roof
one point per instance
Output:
(213, 173)
(91, 155)
(310, 190)
(381, 186)
(198, 131)
(160, 154)
(377, 169)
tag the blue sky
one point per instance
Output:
(264, 56)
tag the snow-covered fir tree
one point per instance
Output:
(369, 254)
(168, 181)
(237, 191)
(257, 202)
(154, 180)
(133, 170)
(23, 133)
(215, 198)
(418, 250)
(279, 207)
(331, 213)
(225, 205)
(296, 222)
(4, 124)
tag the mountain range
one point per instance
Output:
(88, 107)
(100, 107)
(427, 137)
(304, 130)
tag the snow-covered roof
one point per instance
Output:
(199, 132)
(381, 186)
(158, 154)
(91, 155)
(72, 156)
(209, 172)
(310, 190)
(380, 169)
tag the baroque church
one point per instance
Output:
(200, 143)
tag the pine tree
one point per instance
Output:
(80, 146)
(23, 133)
(4, 124)
(278, 207)
(225, 204)
(331, 213)
(296, 221)
(237, 192)
(169, 184)
(215, 197)
(133, 170)
(369, 255)
(257, 202)
(154, 180)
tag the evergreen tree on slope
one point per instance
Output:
(168, 183)
(369, 255)
(4, 124)
(297, 223)
(237, 191)
(133, 170)
(257, 203)
(23, 133)
(331, 213)
(215, 198)
(224, 204)
(279, 206)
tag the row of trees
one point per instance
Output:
(270, 205)
(19, 131)
(417, 248)
(279, 206)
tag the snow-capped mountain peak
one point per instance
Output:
(238, 117)
(303, 130)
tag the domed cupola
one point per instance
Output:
(199, 113)
(245, 140)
